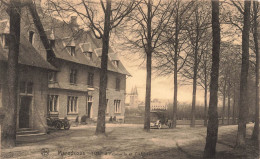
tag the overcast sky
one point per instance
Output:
(162, 87)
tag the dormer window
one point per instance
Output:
(116, 62)
(5, 40)
(31, 37)
(72, 50)
(52, 43)
(89, 54)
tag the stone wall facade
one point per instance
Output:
(37, 99)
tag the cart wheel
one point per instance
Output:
(58, 125)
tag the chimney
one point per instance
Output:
(73, 21)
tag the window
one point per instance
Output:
(91, 79)
(73, 76)
(31, 37)
(29, 87)
(90, 99)
(26, 87)
(107, 105)
(5, 40)
(116, 62)
(52, 76)
(72, 104)
(72, 50)
(89, 55)
(52, 43)
(89, 109)
(117, 106)
(117, 84)
(53, 103)
(22, 87)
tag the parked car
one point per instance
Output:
(158, 120)
(58, 123)
(157, 124)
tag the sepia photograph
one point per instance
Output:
(129, 79)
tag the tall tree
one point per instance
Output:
(148, 22)
(229, 98)
(243, 107)
(195, 68)
(148, 67)
(171, 59)
(10, 120)
(101, 121)
(198, 35)
(205, 72)
(255, 135)
(203, 76)
(212, 128)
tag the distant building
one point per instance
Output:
(134, 98)
(157, 104)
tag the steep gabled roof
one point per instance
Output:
(28, 55)
(84, 41)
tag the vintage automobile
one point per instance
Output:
(158, 120)
(58, 123)
(157, 124)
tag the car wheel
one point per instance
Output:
(67, 126)
(169, 125)
(159, 126)
(58, 125)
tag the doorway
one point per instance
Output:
(89, 106)
(89, 109)
(24, 112)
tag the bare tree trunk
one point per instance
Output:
(234, 105)
(205, 90)
(255, 135)
(10, 120)
(212, 129)
(224, 102)
(149, 68)
(175, 72)
(101, 121)
(205, 97)
(193, 111)
(243, 107)
(228, 113)
(195, 70)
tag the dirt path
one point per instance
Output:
(126, 141)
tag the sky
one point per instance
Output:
(162, 87)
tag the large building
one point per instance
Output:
(66, 85)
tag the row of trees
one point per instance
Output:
(177, 36)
